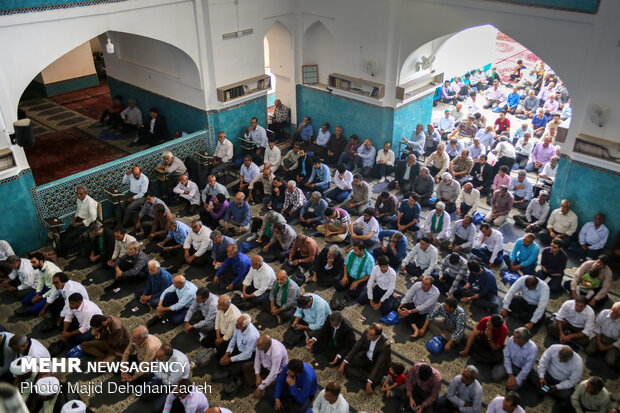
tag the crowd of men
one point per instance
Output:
(446, 259)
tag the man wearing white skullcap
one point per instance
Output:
(437, 224)
(50, 395)
(74, 406)
(23, 374)
(448, 191)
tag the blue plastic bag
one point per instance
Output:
(75, 352)
(390, 319)
(478, 218)
(496, 109)
(435, 345)
(246, 247)
(509, 278)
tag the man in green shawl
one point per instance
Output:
(358, 266)
(283, 297)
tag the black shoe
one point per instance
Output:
(153, 321)
(112, 286)
(47, 325)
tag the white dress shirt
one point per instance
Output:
(120, 247)
(172, 375)
(323, 406)
(537, 211)
(37, 350)
(384, 280)
(5, 250)
(426, 260)
(225, 321)
(584, 319)
(224, 150)
(524, 149)
(367, 227)
(424, 300)
(83, 314)
(262, 279)
(133, 115)
(445, 229)
(138, 186)
(66, 291)
(201, 241)
(494, 242)
(472, 199)
(538, 297)
(25, 274)
(87, 210)
(505, 149)
(496, 406)
(606, 326)
(371, 348)
(193, 195)
(387, 157)
(346, 182)
(273, 157)
(568, 373)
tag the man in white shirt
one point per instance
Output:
(606, 337)
(131, 116)
(195, 248)
(224, 152)
(559, 371)
(227, 315)
(508, 404)
(256, 285)
(329, 400)
(121, 244)
(258, 135)
(419, 301)
(573, 323)
(188, 191)
(446, 124)
(489, 245)
(562, 224)
(178, 367)
(385, 162)
(467, 201)
(22, 279)
(535, 215)
(494, 95)
(422, 260)
(248, 171)
(5, 252)
(127, 211)
(365, 229)
(86, 213)
(58, 301)
(273, 157)
(437, 224)
(76, 328)
(380, 287)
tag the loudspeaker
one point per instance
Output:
(23, 133)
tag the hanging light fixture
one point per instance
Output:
(109, 47)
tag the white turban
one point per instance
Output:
(47, 386)
(74, 406)
(17, 366)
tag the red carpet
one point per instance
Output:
(56, 155)
(91, 101)
(509, 51)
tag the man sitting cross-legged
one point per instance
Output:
(419, 301)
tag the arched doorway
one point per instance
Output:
(279, 63)
(318, 49)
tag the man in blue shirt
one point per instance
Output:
(127, 210)
(296, 386)
(312, 213)
(524, 256)
(175, 301)
(522, 189)
(513, 100)
(481, 288)
(304, 132)
(238, 215)
(394, 247)
(365, 158)
(234, 268)
(159, 279)
(320, 177)
(177, 232)
(408, 214)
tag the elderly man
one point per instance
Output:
(171, 165)
(312, 213)
(494, 96)
(121, 245)
(279, 245)
(219, 248)
(335, 335)
(248, 171)
(27, 347)
(188, 396)
(552, 265)
(241, 347)
(476, 149)
(258, 136)
(419, 301)
(295, 387)
(365, 158)
(405, 174)
(302, 254)
(76, 327)
(523, 148)
(294, 199)
(464, 393)
(592, 238)
(152, 218)
(263, 229)
(421, 261)
(482, 175)
(111, 338)
(453, 273)
(606, 337)
(541, 155)
(175, 301)
(529, 105)
(256, 285)
(408, 214)
(559, 371)
(486, 341)
(574, 322)
(223, 154)
(283, 297)
(591, 396)
(462, 236)
(270, 359)
(142, 348)
(535, 215)
(225, 320)
(453, 323)
(202, 313)
(261, 187)
(101, 245)
(384, 162)
(370, 359)
(448, 191)
(196, 247)
(237, 218)
(330, 400)
(511, 403)
(159, 279)
(521, 189)
(380, 287)
(21, 280)
(423, 186)
(310, 315)
(358, 266)
(418, 141)
(177, 233)
(328, 267)
(437, 224)
(438, 162)
(519, 357)
(467, 201)
(524, 256)
(501, 205)
(445, 124)
(562, 224)
(530, 306)
(337, 224)
(486, 137)
(86, 213)
(481, 288)
(174, 367)
(127, 210)
(131, 266)
(454, 148)
(212, 189)
(233, 270)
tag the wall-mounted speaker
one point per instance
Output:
(23, 133)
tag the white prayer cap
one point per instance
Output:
(47, 386)
(17, 366)
(446, 176)
(440, 205)
(74, 406)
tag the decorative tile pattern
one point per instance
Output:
(33, 6)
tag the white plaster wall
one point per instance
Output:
(281, 62)
(78, 62)
(319, 49)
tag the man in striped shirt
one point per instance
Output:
(188, 396)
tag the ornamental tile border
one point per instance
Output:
(544, 6)
(590, 166)
(15, 177)
(57, 7)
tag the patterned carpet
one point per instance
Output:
(508, 51)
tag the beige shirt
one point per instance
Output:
(438, 161)
(225, 321)
(87, 210)
(563, 224)
(120, 247)
(144, 352)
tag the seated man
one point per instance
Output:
(260, 188)
(304, 132)
(453, 274)
(562, 224)
(482, 176)
(606, 337)
(240, 348)
(365, 229)
(111, 338)
(489, 246)
(76, 328)
(337, 224)
(256, 285)
(175, 301)
(278, 194)
(541, 155)
(360, 197)
(559, 371)
(385, 209)
(330, 400)
(283, 297)
(494, 96)
(462, 236)
(21, 280)
(424, 185)
(422, 385)
(437, 225)
(510, 403)
(131, 117)
(464, 394)
(86, 214)
(448, 191)
(513, 100)
(454, 148)
(294, 198)
(174, 367)
(445, 124)
(225, 320)
(271, 357)
(322, 138)
(320, 178)
(467, 201)
(159, 279)
(130, 267)
(177, 233)
(529, 105)
(310, 315)
(501, 204)
(196, 247)
(421, 261)
(44, 271)
(213, 188)
(438, 162)
(395, 250)
(102, 244)
(385, 162)
(171, 166)
(529, 307)
(552, 265)
(369, 360)
(280, 121)
(121, 245)
(380, 287)
(343, 179)
(263, 229)
(523, 148)
(486, 137)
(248, 171)
(302, 254)
(27, 347)
(549, 170)
(312, 213)
(335, 335)
(592, 238)
(365, 158)
(153, 133)
(156, 217)
(476, 149)
(486, 341)
(223, 154)
(447, 95)
(295, 387)
(591, 396)
(219, 248)
(405, 174)
(408, 215)
(279, 246)
(574, 322)
(519, 357)
(535, 215)
(358, 266)
(335, 147)
(481, 288)
(289, 161)
(433, 138)
(233, 270)
(58, 302)
(524, 256)
(273, 156)
(328, 267)
(201, 314)
(187, 396)
(452, 327)
(418, 141)
(141, 349)
(138, 186)
(237, 217)
(304, 169)
(258, 136)
(419, 301)
(521, 189)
